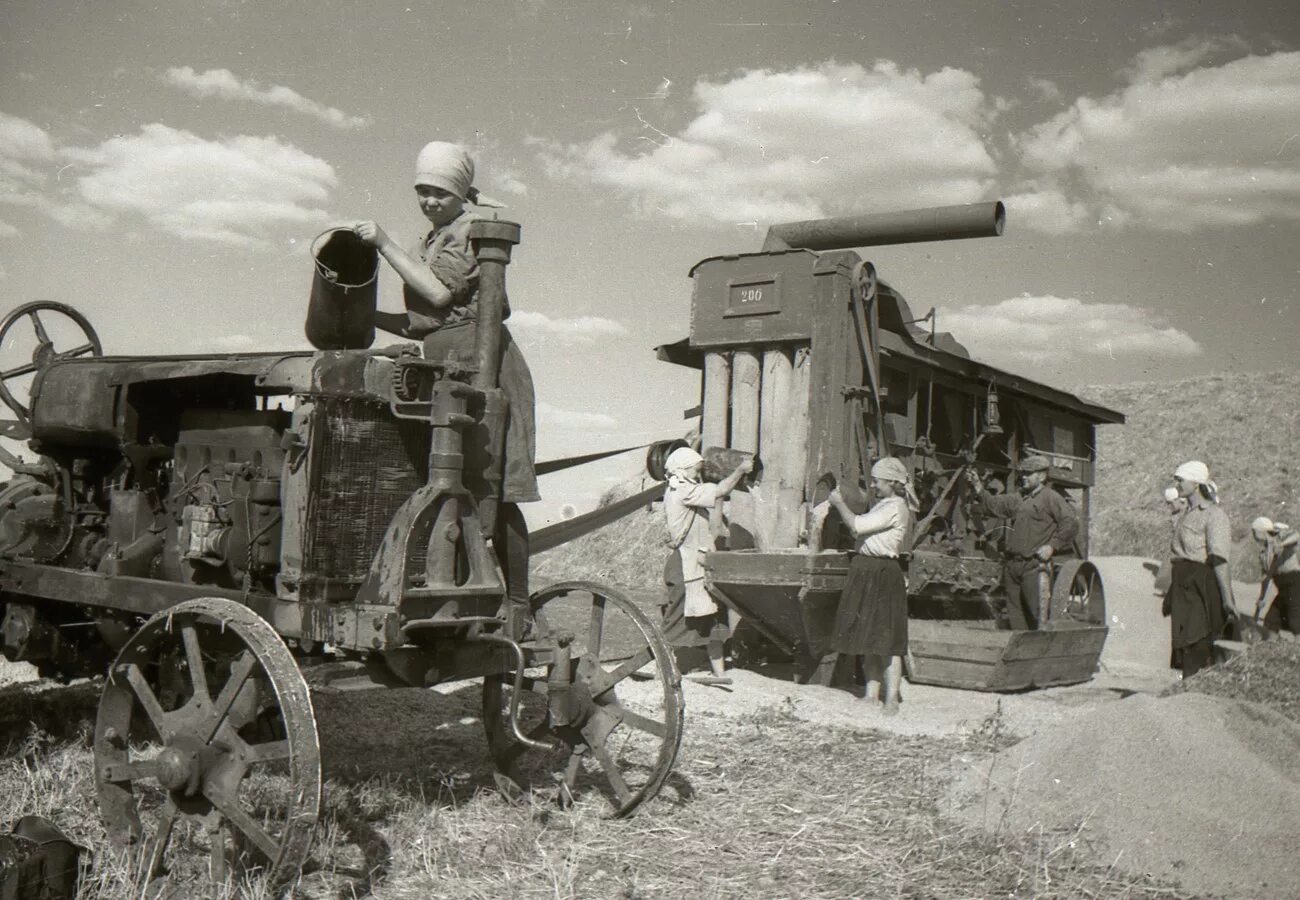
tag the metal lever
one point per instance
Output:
(518, 652)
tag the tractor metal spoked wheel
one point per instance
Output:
(207, 760)
(1078, 593)
(615, 729)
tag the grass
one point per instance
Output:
(761, 806)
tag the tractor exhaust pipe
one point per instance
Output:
(938, 223)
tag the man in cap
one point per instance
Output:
(1043, 526)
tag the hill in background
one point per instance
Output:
(1245, 427)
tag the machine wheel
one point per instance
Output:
(1078, 594)
(43, 354)
(618, 732)
(206, 743)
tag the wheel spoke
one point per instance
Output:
(162, 837)
(239, 673)
(638, 721)
(217, 852)
(147, 699)
(272, 751)
(39, 327)
(18, 371)
(602, 681)
(597, 632)
(239, 817)
(194, 658)
(80, 350)
(613, 774)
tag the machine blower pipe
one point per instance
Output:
(938, 223)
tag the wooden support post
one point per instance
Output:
(773, 435)
(794, 452)
(715, 421)
(746, 378)
(714, 416)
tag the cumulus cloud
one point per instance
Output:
(549, 416)
(225, 84)
(768, 146)
(1183, 145)
(231, 190)
(533, 325)
(1063, 330)
(26, 149)
(1047, 210)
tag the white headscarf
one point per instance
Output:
(680, 466)
(450, 167)
(891, 468)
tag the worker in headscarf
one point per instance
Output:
(692, 618)
(1043, 527)
(1279, 562)
(440, 279)
(871, 620)
(1200, 598)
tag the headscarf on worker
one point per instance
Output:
(891, 468)
(680, 467)
(450, 167)
(1198, 472)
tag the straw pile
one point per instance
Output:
(1192, 788)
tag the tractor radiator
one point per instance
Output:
(364, 464)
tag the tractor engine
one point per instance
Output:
(226, 491)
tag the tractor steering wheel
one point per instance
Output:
(43, 354)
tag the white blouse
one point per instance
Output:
(884, 528)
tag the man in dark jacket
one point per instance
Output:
(1043, 526)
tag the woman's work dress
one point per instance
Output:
(1194, 601)
(1280, 561)
(692, 617)
(872, 616)
(451, 331)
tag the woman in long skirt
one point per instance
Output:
(872, 617)
(1199, 601)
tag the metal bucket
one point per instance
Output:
(341, 314)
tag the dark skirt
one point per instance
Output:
(680, 629)
(1284, 613)
(1195, 607)
(872, 616)
(519, 481)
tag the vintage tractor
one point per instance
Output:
(198, 529)
(817, 366)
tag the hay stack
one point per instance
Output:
(1191, 788)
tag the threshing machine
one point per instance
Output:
(820, 368)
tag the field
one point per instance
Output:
(780, 790)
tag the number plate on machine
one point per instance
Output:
(753, 296)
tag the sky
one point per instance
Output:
(165, 167)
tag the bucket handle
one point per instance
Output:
(329, 274)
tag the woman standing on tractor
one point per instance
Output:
(440, 290)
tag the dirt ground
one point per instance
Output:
(1134, 660)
